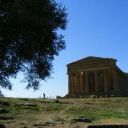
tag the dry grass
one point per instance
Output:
(60, 113)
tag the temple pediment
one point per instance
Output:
(92, 59)
(92, 63)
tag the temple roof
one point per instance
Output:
(92, 59)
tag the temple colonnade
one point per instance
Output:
(90, 82)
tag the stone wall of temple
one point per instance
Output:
(96, 76)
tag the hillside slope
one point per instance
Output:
(62, 113)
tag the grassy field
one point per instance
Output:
(60, 113)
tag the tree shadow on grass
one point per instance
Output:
(108, 126)
(2, 126)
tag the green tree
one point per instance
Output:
(29, 40)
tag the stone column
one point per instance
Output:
(96, 81)
(69, 83)
(87, 83)
(115, 80)
(77, 83)
(84, 83)
(103, 86)
(81, 83)
(106, 82)
(72, 84)
(101, 81)
(110, 81)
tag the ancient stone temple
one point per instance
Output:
(96, 76)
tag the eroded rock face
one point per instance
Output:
(48, 123)
(108, 126)
(82, 119)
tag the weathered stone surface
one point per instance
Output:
(96, 76)
(82, 119)
(48, 123)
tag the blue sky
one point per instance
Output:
(95, 28)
